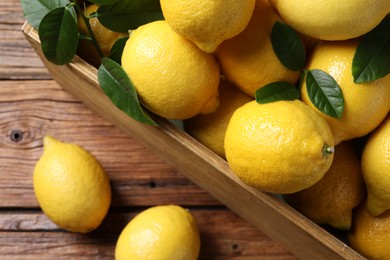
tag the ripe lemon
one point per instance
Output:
(162, 232)
(333, 19)
(71, 186)
(207, 23)
(376, 169)
(248, 60)
(365, 105)
(104, 37)
(210, 129)
(280, 147)
(173, 78)
(332, 199)
(370, 236)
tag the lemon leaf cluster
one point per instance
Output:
(56, 22)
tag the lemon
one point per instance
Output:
(173, 78)
(71, 186)
(376, 169)
(210, 129)
(248, 60)
(370, 236)
(332, 199)
(104, 37)
(280, 147)
(207, 23)
(333, 19)
(166, 232)
(365, 105)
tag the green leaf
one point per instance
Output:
(288, 46)
(325, 93)
(59, 35)
(128, 15)
(35, 10)
(103, 2)
(372, 56)
(117, 50)
(276, 91)
(119, 88)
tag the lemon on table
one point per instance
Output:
(376, 169)
(365, 105)
(104, 37)
(248, 59)
(369, 235)
(173, 77)
(71, 186)
(210, 129)
(332, 199)
(332, 19)
(279, 147)
(207, 23)
(166, 232)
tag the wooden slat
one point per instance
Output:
(30, 235)
(17, 59)
(36, 108)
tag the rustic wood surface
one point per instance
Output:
(32, 105)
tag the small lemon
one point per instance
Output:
(376, 169)
(369, 235)
(279, 147)
(71, 186)
(207, 23)
(248, 59)
(365, 105)
(210, 129)
(173, 78)
(104, 37)
(332, 19)
(167, 232)
(332, 199)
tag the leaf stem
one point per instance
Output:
(86, 21)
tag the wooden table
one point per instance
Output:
(32, 105)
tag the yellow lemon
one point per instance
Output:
(167, 232)
(210, 129)
(248, 60)
(104, 37)
(173, 78)
(332, 19)
(376, 169)
(332, 199)
(369, 235)
(71, 186)
(280, 147)
(365, 105)
(207, 23)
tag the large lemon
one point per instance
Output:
(376, 169)
(71, 186)
(173, 77)
(333, 19)
(365, 105)
(280, 147)
(167, 232)
(248, 59)
(207, 23)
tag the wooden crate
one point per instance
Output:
(274, 218)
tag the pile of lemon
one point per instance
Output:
(205, 61)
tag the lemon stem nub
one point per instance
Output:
(327, 150)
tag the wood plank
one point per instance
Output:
(36, 108)
(17, 58)
(30, 235)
